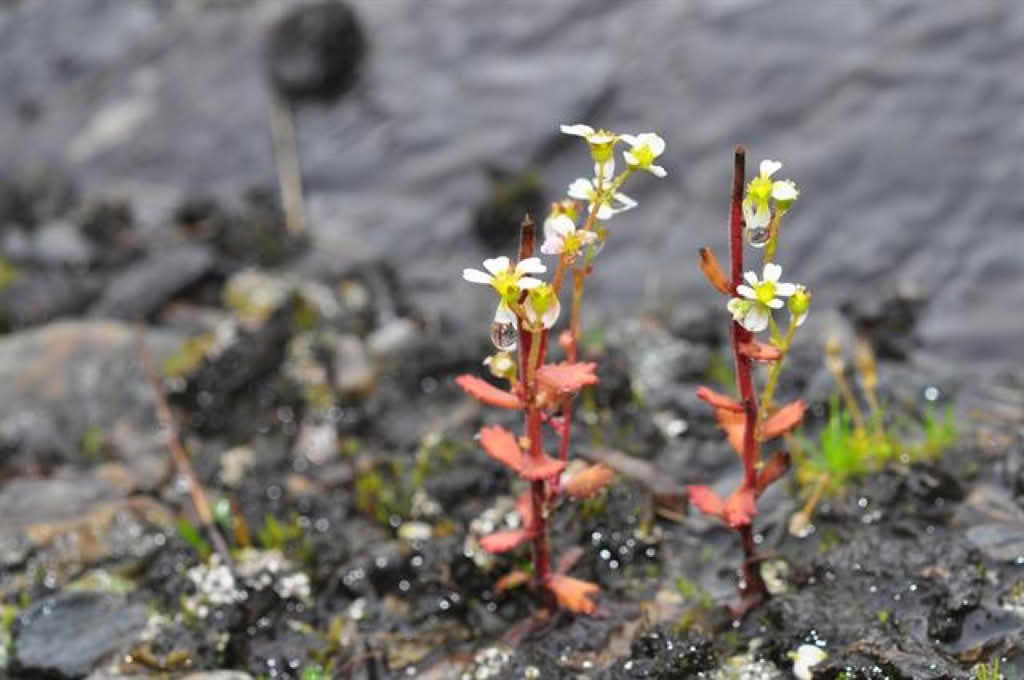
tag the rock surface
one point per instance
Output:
(67, 635)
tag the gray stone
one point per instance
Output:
(68, 635)
(143, 288)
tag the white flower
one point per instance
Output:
(804, 658)
(751, 315)
(762, 187)
(766, 290)
(585, 190)
(754, 309)
(647, 146)
(507, 281)
(756, 215)
(601, 142)
(588, 133)
(562, 237)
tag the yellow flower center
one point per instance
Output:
(765, 292)
(643, 155)
(507, 285)
(760, 189)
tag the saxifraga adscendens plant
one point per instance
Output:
(755, 216)
(528, 308)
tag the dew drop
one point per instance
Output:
(758, 237)
(503, 335)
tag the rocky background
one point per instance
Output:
(310, 375)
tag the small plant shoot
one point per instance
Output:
(755, 217)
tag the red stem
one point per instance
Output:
(538, 495)
(753, 588)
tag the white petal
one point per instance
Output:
(630, 158)
(608, 167)
(657, 171)
(476, 276)
(769, 168)
(553, 245)
(772, 272)
(531, 265)
(799, 320)
(625, 202)
(528, 282)
(738, 308)
(604, 211)
(578, 130)
(785, 289)
(746, 291)
(587, 237)
(497, 265)
(581, 189)
(632, 140)
(563, 226)
(601, 137)
(755, 217)
(652, 141)
(784, 191)
(551, 315)
(756, 319)
(751, 278)
(776, 303)
(503, 314)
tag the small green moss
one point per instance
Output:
(188, 356)
(987, 671)
(692, 591)
(94, 444)
(883, 616)
(191, 535)
(8, 274)
(275, 534)
(721, 373)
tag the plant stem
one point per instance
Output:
(530, 355)
(752, 588)
(768, 394)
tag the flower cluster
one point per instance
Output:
(528, 308)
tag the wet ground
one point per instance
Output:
(311, 378)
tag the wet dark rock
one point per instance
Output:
(662, 655)
(34, 198)
(887, 321)
(460, 482)
(281, 653)
(110, 224)
(227, 392)
(697, 323)
(66, 636)
(511, 197)
(34, 298)
(141, 290)
(316, 51)
(257, 234)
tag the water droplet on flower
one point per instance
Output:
(503, 335)
(758, 237)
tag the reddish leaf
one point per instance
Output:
(589, 481)
(544, 468)
(772, 470)
(706, 500)
(713, 271)
(524, 506)
(511, 580)
(734, 425)
(485, 392)
(503, 541)
(719, 400)
(501, 445)
(759, 351)
(740, 508)
(573, 594)
(783, 420)
(565, 377)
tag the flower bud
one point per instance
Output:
(799, 302)
(501, 365)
